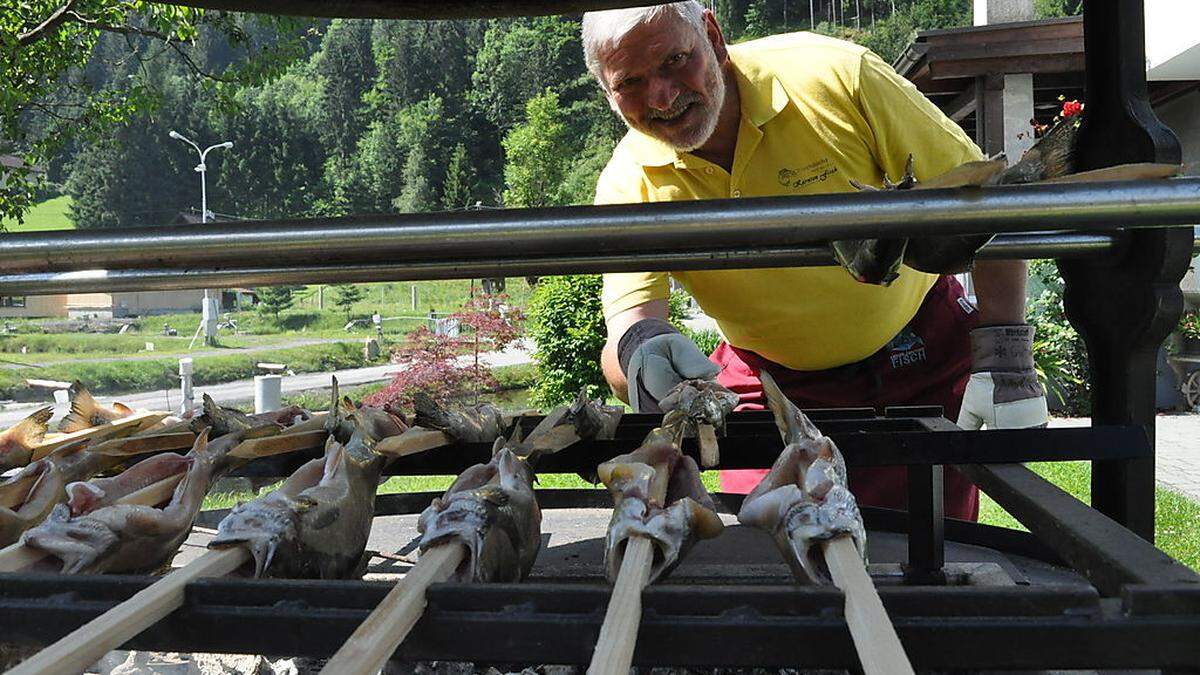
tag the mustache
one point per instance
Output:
(678, 107)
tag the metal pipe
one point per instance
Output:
(1036, 245)
(412, 9)
(516, 236)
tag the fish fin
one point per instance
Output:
(83, 408)
(123, 409)
(793, 425)
(30, 431)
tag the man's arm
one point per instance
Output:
(1000, 291)
(617, 325)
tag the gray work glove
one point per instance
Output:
(659, 358)
(1004, 391)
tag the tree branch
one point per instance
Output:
(52, 22)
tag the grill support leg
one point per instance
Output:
(926, 526)
(1124, 309)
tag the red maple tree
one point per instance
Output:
(449, 367)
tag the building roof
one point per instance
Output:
(950, 65)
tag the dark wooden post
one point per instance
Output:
(1124, 307)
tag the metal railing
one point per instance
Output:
(724, 234)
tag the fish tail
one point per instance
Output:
(794, 426)
(30, 431)
(83, 409)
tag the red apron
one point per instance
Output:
(928, 363)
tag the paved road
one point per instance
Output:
(15, 361)
(243, 390)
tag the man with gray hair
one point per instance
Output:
(788, 115)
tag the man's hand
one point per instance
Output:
(1003, 392)
(661, 363)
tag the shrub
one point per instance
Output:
(567, 325)
(1059, 352)
(1189, 325)
(706, 339)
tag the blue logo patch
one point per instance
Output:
(906, 349)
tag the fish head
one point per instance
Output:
(262, 528)
(78, 542)
(809, 524)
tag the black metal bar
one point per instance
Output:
(1002, 628)
(1099, 548)
(758, 448)
(618, 231)
(1124, 308)
(926, 525)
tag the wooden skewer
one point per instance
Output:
(85, 645)
(136, 445)
(710, 452)
(368, 649)
(1137, 171)
(125, 424)
(618, 634)
(412, 441)
(16, 557)
(879, 648)
(277, 445)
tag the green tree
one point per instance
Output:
(519, 60)
(63, 82)
(567, 325)
(345, 296)
(756, 22)
(460, 177)
(538, 155)
(274, 299)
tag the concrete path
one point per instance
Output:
(243, 390)
(1177, 450)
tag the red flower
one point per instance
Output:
(1071, 108)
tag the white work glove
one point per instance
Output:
(1003, 392)
(659, 364)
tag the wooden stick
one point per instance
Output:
(85, 645)
(125, 424)
(412, 441)
(18, 556)
(136, 445)
(618, 634)
(1137, 171)
(710, 452)
(879, 649)
(368, 649)
(277, 445)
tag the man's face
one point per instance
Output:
(664, 80)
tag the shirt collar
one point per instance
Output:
(762, 98)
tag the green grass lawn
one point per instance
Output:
(51, 214)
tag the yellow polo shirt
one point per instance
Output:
(816, 112)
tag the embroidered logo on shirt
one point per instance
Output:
(817, 172)
(906, 349)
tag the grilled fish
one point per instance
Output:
(703, 401)
(583, 419)
(18, 441)
(28, 497)
(482, 423)
(492, 511)
(317, 523)
(673, 524)
(803, 500)
(90, 534)
(86, 412)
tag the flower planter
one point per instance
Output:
(1191, 345)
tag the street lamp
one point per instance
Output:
(209, 315)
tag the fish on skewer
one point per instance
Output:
(317, 523)
(482, 423)
(1053, 158)
(18, 441)
(87, 412)
(584, 419)
(27, 498)
(659, 496)
(92, 534)
(707, 404)
(490, 510)
(804, 499)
